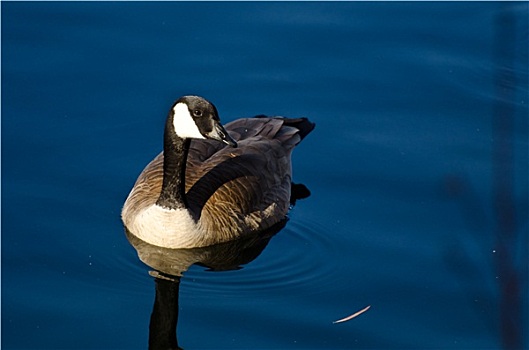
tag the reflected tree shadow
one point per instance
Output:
(169, 266)
(508, 229)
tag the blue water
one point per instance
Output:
(417, 170)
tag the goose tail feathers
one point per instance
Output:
(300, 126)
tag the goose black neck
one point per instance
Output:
(175, 150)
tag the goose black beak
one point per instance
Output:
(220, 134)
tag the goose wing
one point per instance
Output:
(236, 190)
(145, 191)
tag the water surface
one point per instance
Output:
(417, 169)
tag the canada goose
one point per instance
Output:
(199, 192)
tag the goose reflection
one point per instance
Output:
(170, 264)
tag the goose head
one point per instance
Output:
(195, 117)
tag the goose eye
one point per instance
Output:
(197, 113)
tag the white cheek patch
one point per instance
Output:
(183, 123)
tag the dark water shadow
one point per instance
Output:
(508, 227)
(509, 221)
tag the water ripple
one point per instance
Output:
(294, 259)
